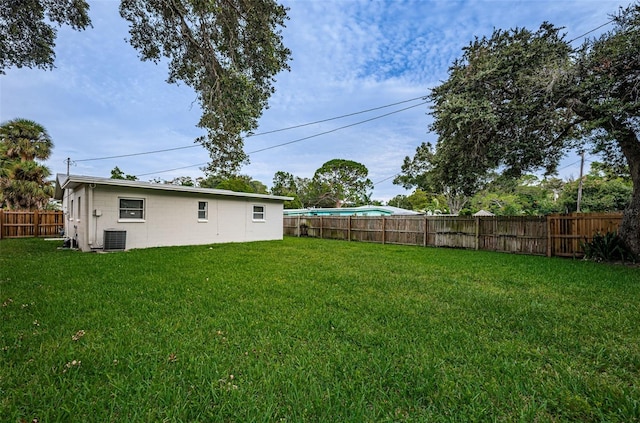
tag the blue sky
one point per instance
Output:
(347, 56)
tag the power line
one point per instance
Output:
(301, 139)
(139, 154)
(589, 32)
(338, 117)
(258, 134)
(171, 170)
(336, 129)
(587, 158)
(386, 179)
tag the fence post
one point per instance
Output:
(1, 223)
(384, 229)
(321, 237)
(349, 228)
(477, 232)
(426, 230)
(574, 231)
(36, 223)
(549, 249)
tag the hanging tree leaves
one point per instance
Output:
(27, 39)
(228, 51)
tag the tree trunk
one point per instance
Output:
(630, 145)
(630, 227)
(456, 202)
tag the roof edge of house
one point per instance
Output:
(65, 181)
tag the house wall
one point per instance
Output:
(75, 213)
(171, 218)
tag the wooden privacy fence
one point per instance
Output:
(25, 224)
(554, 235)
(568, 231)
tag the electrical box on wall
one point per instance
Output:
(97, 212)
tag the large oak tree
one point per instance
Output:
(228, 51)
(336, 183)
(341, 182)
(519, 100)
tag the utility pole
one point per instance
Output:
(580, 182)
(68, 164)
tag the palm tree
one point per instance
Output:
(26, 140)
(23, 182)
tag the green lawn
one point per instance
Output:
(314, 330)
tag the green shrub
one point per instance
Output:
(608, 247)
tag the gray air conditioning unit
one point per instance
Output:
(114, 240)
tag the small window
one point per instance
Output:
(258, 213)
(71, 210)
(203, 210)
(132, 208)
(79, 208)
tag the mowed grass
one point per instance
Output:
(314, 330)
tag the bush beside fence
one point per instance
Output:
(553, 235)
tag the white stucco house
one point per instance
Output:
(115, 214)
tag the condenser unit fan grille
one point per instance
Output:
(114, 240)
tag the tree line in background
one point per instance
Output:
(602, 191)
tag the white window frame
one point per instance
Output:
(203, 213)
(132, 219)
(259, 215)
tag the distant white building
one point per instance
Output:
(483, 213)
(113, 214)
